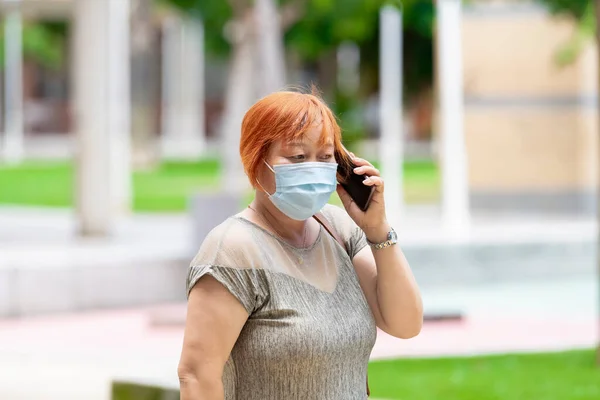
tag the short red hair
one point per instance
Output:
(284, 116)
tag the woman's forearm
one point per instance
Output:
(398, 297)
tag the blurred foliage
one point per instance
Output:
(327, 23)
(351, 118)
(583, 12)
(317, 30)
(215, 15)
(43, 42)
(573, 8)
(322, 25)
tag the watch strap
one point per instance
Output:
(391, 240)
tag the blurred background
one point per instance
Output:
(119, 131)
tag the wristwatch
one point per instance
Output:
(392, 239)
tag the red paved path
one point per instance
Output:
(131, 332)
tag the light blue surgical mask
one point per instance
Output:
(302, 190)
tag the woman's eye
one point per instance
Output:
(298, 157)
(327, 157)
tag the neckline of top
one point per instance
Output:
(280, 239)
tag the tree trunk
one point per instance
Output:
(257, 67)
(271, 53)
(327, 71)
(144, 84)
(239, 97)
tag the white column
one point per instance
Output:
(455, 186)
(271, 60)
(102, 112)
(171, 31)
(13, 93)
(119, 100)
(193, 87)
(183, 89)
(391, 148)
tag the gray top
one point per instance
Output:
(310, 331)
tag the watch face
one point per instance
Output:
(392, 235)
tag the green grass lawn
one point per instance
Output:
(555, 376)
(166, 188)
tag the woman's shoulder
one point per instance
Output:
(345, 226)
(229, 255)
(229, 244)
(333, 212)
(340, 219)
(232, 230)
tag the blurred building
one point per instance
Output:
(530, 123)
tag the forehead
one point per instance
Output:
(315, 136)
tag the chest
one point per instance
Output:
(301, 321)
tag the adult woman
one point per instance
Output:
(277, 308)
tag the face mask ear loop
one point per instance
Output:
(263, 188)
(260, 184)
(271, 168)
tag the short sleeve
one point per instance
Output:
(241, 283)
(230, 256)
(353, 236)
(357, 241)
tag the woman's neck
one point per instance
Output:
(283, 225)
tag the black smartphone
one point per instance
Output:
(354, 186)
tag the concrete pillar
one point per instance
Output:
(391, 149)
(183, 89)
(13, 78)
(102, 112)
(455, 185)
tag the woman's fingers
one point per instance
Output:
(359, 162)
(374, 181)
(363, 167)
(368, 170)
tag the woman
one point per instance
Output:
(277, 308)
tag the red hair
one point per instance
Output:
(284, 116)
